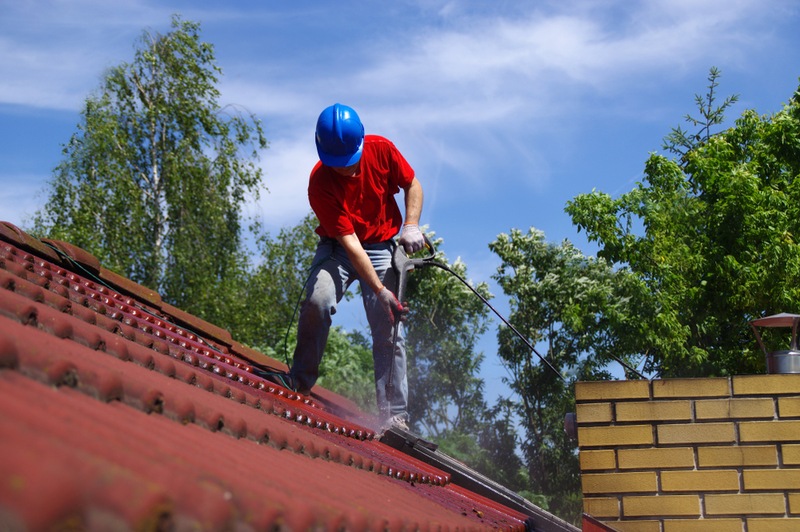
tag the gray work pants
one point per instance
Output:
(331, 274)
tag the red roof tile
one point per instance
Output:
(119, 412)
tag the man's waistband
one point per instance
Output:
(390, 243)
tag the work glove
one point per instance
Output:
(412, 239)
(393, 308)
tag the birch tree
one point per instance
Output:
(153, 180)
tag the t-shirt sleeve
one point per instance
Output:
(403, 173)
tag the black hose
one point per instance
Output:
(486, 302)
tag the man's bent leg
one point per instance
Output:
(324, 290)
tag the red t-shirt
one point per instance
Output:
(363, 204)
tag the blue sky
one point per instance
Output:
(506, 109)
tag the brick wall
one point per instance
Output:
(691, 454)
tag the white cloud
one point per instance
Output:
(286, 165)
(54, 53)
(539, 54)
(463, 88)
(519, 64)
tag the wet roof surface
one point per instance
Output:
(119, 411)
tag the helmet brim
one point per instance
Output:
(340, 161)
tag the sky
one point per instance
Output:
(506, 109)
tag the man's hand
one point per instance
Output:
(412, 239)
(393, 308)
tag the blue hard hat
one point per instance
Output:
(339, 136)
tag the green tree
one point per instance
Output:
(680, 141)
(444, 324)
(712, 235)
(275, 286)
(500, 442)
(446, 392)
(347, 367)
(581, 313)
(154, 180)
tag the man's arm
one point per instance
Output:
(360, 260)
(413, 200)
(412, 238)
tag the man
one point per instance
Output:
(351, 190)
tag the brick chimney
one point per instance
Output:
(691, 454)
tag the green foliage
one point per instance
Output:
(713, 237)
(583, 312)
(154, 180)
(580, 312)
(499, 440)
(444, 324)
(681, 142)
(446, 391)
(347, 368)
(275, 286)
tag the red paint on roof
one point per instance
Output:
(119, 412)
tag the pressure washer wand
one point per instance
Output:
(402, 264)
